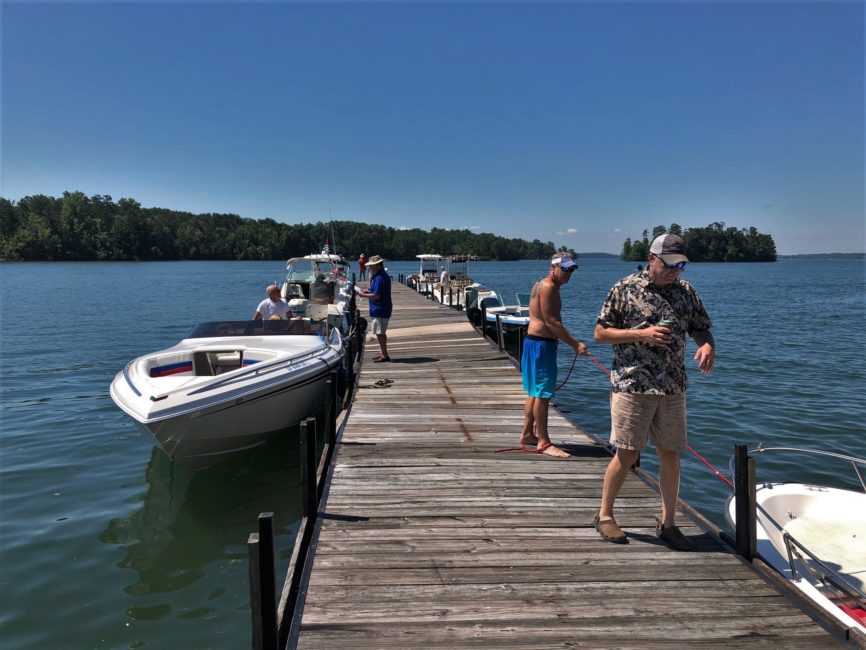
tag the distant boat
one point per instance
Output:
(459, 288)
(428, 272)
(228, 385)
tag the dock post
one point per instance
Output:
(359, 339)
(309, 497)
(520, 338)
(500, 338)
(744, 486)
(451, 297)
(483, 319)
(350, 371)
(268, 580)
(263, 603)
(331, 431)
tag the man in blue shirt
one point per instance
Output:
(379, 294)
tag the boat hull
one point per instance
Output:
(208, 435)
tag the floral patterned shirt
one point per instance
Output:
(636, 303)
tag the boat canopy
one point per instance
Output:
(429, 263)
(213, 329)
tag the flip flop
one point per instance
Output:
(380, 359)
(547, 445)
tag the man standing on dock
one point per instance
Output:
(379, 294)
(538, 363)
(646, 317)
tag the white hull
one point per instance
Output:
(830, 522)
(199, 418)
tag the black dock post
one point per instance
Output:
(309, 498)
(744, 482)
(263, 600)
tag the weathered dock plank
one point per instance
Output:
(430, 538)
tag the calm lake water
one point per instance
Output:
(106, 544)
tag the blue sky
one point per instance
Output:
(577, 123)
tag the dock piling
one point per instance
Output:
(744, 482)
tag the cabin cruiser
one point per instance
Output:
(229, 384)
(324, 280)
(815, 536)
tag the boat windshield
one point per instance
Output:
(258, 328)
(306, 271)
(523, 299)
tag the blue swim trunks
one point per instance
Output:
(538, 366)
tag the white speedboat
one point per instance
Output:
(324, 280)
(511, 316)
(228, 385)
(815, 536)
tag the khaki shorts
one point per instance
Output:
(634, 418)
(380, 325)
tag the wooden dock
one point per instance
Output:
(429, 538)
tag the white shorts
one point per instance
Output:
(380, 326)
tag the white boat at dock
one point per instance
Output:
(815, 536)
(510, 316)
(428, 273)
(228, 385)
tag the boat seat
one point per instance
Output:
(225, 359)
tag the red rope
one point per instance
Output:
(689, 447)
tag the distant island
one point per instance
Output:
(825, 256)
(76, 227)
(715, 243)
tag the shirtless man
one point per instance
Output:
(538, 364)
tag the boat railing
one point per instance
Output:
(760, 449)
(831, 577)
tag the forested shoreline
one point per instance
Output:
(76, 227)
(715, 243)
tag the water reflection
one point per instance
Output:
(193, 526)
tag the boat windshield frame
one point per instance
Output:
(457, 266)
(242, 328)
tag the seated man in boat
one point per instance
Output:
(273, 306)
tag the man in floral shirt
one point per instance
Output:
(646, 317)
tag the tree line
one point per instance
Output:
(76, 227)
(715, 243)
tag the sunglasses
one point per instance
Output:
(679, 265)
